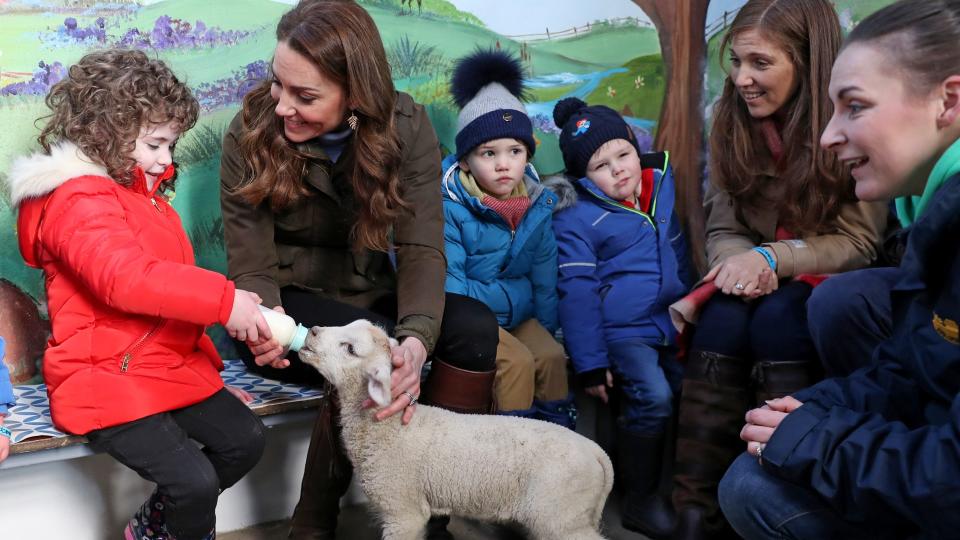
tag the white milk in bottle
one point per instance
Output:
(284, 329)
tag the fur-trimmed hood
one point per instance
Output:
(39, 174)
(563, 188)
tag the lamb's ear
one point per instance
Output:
(378, 383)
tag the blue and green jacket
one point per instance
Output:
(619, 267)
(513, 272)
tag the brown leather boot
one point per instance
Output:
(459, 390)
(779, 379)
(326, 477)
(712, 404)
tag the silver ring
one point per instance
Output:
(413, 399)
(760, 448)
(739, 286)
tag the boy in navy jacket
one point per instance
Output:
(621, 261)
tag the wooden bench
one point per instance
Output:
(35, 440)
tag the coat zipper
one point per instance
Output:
(155, 205)
(128, 355)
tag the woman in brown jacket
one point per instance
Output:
(779, 211)
(332, 209)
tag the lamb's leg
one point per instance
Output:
(410, 528)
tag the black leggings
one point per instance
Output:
(159, 450)
(468, 332)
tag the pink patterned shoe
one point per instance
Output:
(147, 523)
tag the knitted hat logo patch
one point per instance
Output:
(582, 126)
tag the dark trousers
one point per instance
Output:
(159, 449)
(468, 332)
(771, 328)
(850, 314)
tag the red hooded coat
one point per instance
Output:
(127, 304)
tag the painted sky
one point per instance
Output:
(717, 7)
(513, 17)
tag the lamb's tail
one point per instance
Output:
(607, 467)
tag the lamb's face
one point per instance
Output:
(359, 347)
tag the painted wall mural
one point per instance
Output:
(603, 51)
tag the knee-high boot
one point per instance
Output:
(712, 404)
(326, 477)
(459, 390)
(776, 379)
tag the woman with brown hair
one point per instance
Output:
(780, 210)
(332, 212)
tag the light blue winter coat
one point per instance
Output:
(513, 272)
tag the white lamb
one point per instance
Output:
(546, 478)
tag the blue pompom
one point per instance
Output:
(565, 108)
(481, 68)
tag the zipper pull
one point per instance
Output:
(155, 205)
(125, 362)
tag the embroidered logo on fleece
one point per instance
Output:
(582, 126)
(947, 329)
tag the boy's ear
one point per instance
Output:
(463, 165)
(950, 93)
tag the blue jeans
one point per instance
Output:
(647, 396)
(761, 506)
(849, 315)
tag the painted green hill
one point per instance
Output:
(609, 46)
(638, 98)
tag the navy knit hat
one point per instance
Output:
(584, 129)
(488, 86)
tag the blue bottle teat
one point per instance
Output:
(299, 338)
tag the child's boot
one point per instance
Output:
(560, 411)
(521, 413)
(148, 522)
(644, 510)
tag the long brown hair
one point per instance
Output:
(105, 100)
(815, 183)
(342, 41)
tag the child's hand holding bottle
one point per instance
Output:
(246, 323)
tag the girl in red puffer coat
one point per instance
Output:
(128, 364)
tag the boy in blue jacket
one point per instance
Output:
(498, 238)
(621, 264)
(6, 401)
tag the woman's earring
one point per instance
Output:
(353, 121)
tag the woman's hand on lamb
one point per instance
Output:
(600, 390)
(267, 351)
(408, 359)
(762, 422)
(739, 275)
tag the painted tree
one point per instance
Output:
(680, 25)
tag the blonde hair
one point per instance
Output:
(107, 98)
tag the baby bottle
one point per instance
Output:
(284, 329)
